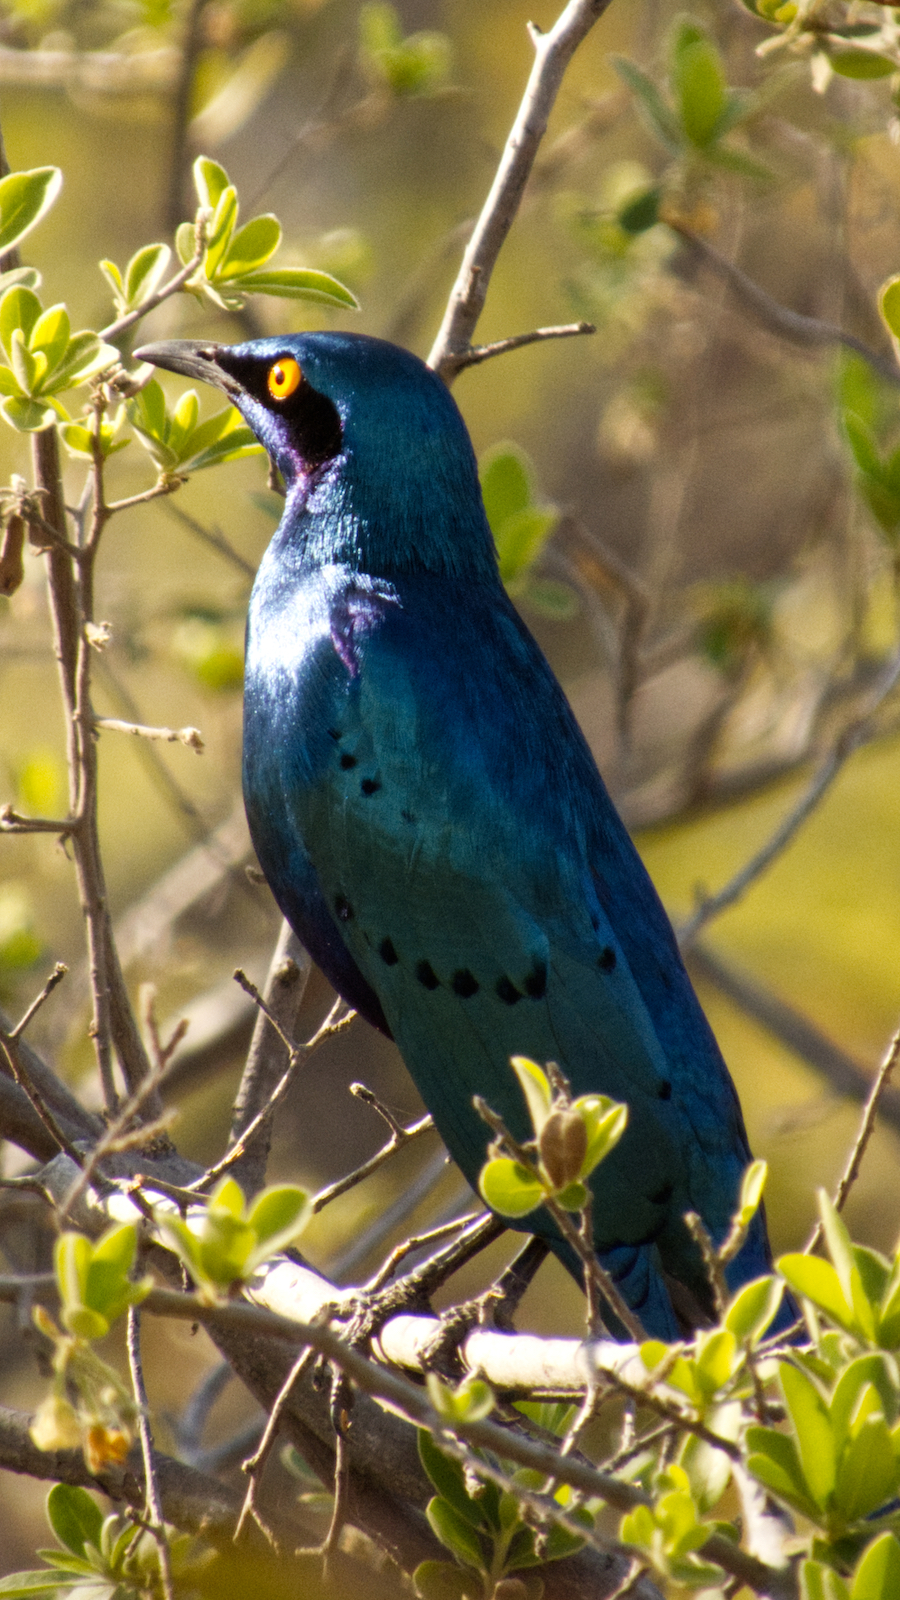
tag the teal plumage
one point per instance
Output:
(431, 820)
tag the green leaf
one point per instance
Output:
(859, 437)
(658, 114)
(699, 83)
(25, 197)
(817, 1281)
(521, 538)
(509, 1188)
(145, 272)
(26, 277)
(19, 308)
(877, 1576)
(29, 368)
(85, 357)
(753, 1308)
(74, 1516)
(752, 1186)
(535, 1086)
(812, 1429)
(876, 1371)
(820, 1582)
(182, 424)
(114, 278)
(471, 1400)
(28, 416)
(774, 1461)
(507, 483)
(210, 182)
(888, 305)
(640, 211)
(439, 1580)
(868, 1472)
(228, 1196)
(605, 1122)
(251, 246)
(185, 242)
(72, 1259)
(278, 1215)
(708, 1469)
(840, 1248)
(861, 64)
(455, 1533)
(51, 334)
(221, 227)
(716, 1359)
(550, 598)
(448, 1478)
(19, 1585)
(299, 283)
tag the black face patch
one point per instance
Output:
(426, 975)
(464, 983)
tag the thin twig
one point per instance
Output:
(10, 1047)
(398, 1141)
(777, 318)
(123, 323)
(483, 352)
(55, 978)
(213, 537)
(286, 981)
(417, 1242)
(11, 821)
(112, 1138)
(553, 52)
(845, 745)
(152, 1503)
(253, 1466)
(866, 1129)
(298, 1054)
(191, 737)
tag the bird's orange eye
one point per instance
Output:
(284, 377)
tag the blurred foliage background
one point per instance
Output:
(708, 566)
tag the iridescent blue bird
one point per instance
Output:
(431, 820)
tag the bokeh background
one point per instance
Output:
(714, 591)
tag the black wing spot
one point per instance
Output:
(665, 1090)
(387, 953)
(408, 816)
(536, 983)
(663, 1195)
(465, 983)
(347, 761)
(427, 976)
(342, 907)
(507, 991)
(606, 960)
(370, 786)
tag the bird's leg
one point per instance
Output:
(495, 1308)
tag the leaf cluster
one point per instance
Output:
(103, 1558)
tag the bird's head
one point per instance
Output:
(376, 459)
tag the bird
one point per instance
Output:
(433, 825)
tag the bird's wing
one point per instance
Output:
(451, 830)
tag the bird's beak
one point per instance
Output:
(194, 358)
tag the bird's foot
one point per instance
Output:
(495, 1308)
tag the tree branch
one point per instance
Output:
(553, 52)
